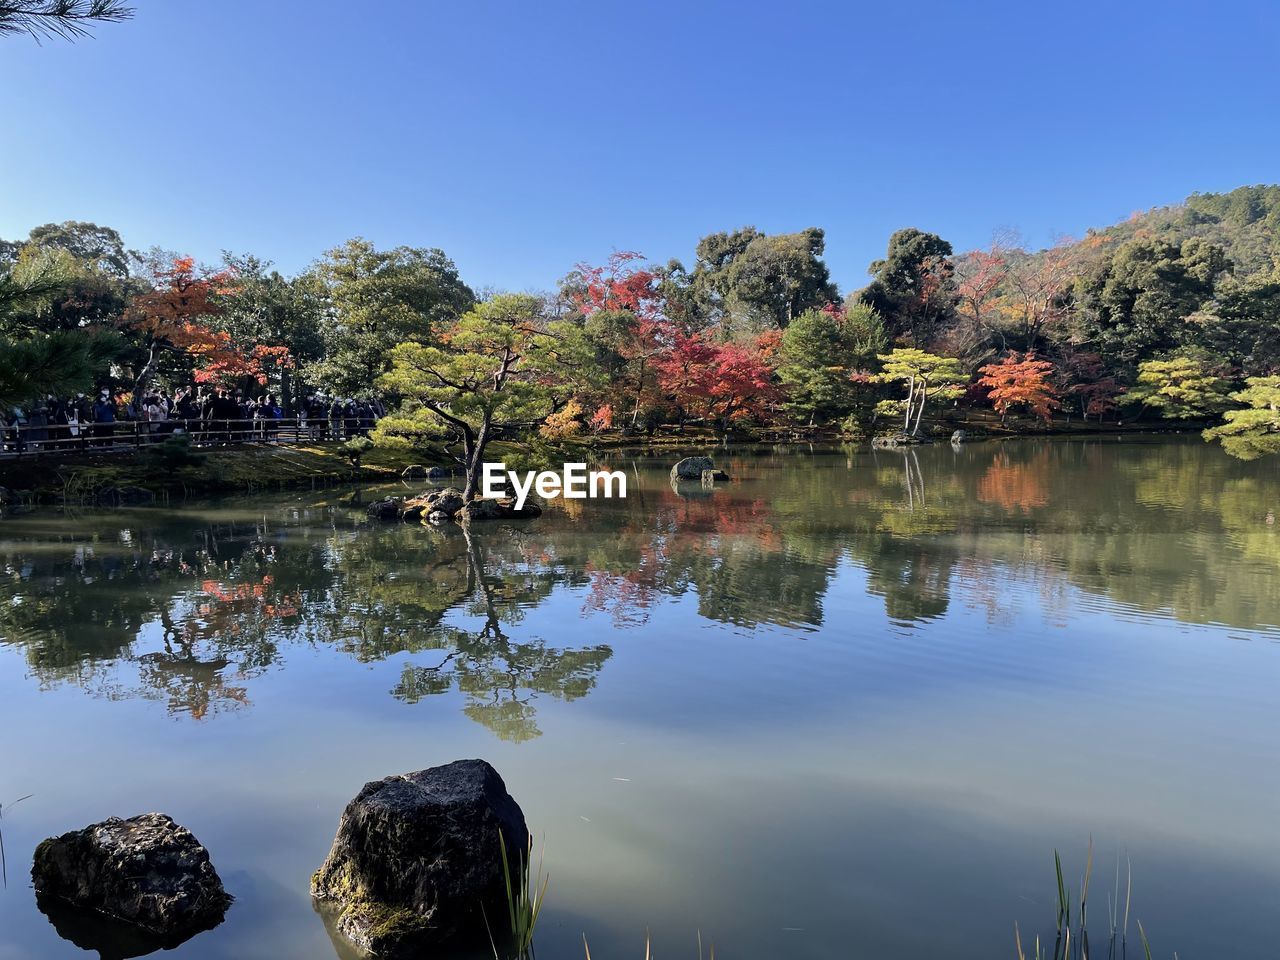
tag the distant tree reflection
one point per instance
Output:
(190, 613)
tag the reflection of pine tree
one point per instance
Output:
(501, 677)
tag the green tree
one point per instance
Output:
(376, 300)
(913, 287)
(1139, 303)
(39, 356)
(1254, 430)
(92, 245)
(495, 373)
(924, 375)
(264, 307)
(1181, 388)
(749, 282)
(819, 352)
(1243, 322)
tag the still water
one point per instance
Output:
(844, 706)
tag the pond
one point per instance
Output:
(847, 705)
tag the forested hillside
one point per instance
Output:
(1173, 314)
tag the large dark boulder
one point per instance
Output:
(147, 871)
(690, 468)
(417, 862)
(389, 509)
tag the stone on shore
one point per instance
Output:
(690, 468)
(447, 501)
(416, 862)
(147, 871)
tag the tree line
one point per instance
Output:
(1173, 315)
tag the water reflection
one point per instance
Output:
(109, 938)
(188, 607)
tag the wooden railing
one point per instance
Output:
(27, 440)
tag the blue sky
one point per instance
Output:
(524, 137)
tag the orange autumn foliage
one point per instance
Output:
(175, 316)
(1020, 380)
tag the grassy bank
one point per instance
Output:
(241, 469)
(265, 467)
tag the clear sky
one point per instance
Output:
(524, 137)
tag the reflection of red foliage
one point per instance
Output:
(678, 529)
(233, 601)
(627, 598)
(1020, 486)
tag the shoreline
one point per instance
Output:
(127, 477)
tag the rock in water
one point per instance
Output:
(690, 468)
(417, 862)
(146, 870)
(899, 440)
(389, 509)
(959, 437)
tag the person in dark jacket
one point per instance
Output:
(104, 416)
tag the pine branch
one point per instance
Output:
(59, 19)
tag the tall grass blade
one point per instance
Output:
(1146, 947)
(4, 866)
(525, 897)
(1128, 896)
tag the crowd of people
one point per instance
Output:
(209, 416)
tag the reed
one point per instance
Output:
(1071, 940)
(4, 866)
(526, 892)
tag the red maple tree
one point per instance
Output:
(720, 382)
(1087, 380)
(175, 316)
(1020, 380)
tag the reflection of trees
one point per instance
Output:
(500, 677)
(189, 612)
(1021, 486)
(196, 612)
